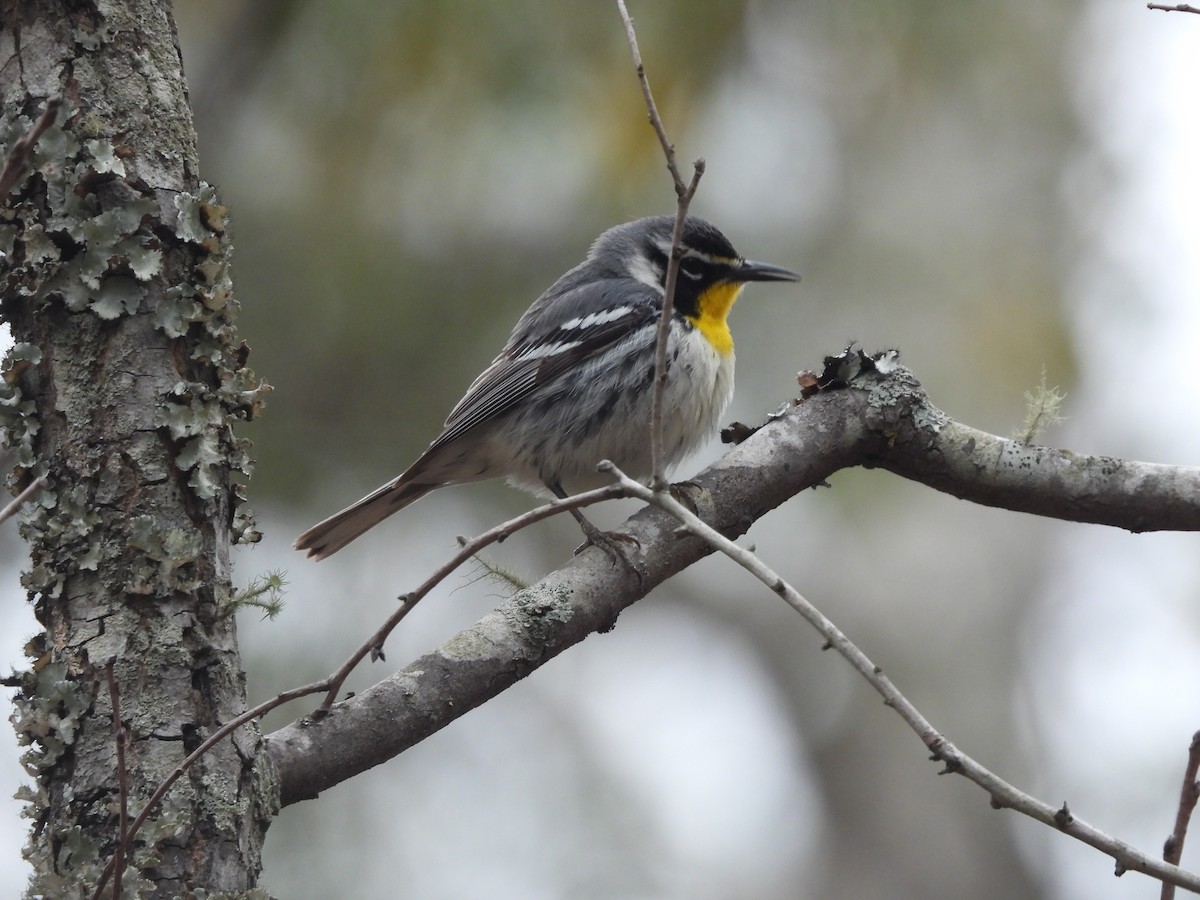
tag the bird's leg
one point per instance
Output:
(619, 546)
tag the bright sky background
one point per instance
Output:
(1115, 643)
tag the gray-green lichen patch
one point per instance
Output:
(18, 414)
(478, 642)
(888, 383)
(204, 309)
(168, 558)
(61, 242)
(892, 386)
(104, 157)
(196, 419)
(524, 621)
(99, 256)
(93, 33)
(67, 521)
(71, 853)
(117, 296)
(199, 216)
(74, 233)
(539, 611)
(46, 715)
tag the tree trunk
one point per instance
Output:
(121, 388)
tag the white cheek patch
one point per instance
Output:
(643, 271)
(597, 318)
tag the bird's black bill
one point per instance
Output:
(750, 270)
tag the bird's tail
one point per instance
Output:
(331, 535)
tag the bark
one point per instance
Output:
(120, 390)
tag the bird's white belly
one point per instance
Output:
(602, 411)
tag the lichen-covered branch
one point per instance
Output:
(1058, 484)
(876, 418)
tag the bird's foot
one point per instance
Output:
(623, 549)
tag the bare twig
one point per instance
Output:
(18, 156)
(655, 118)
(1178, 7)
(119, 736)
(373, 646)
(21, 499)
(683, 194)
(1189, 793)
(1002, 793)
(657, 464)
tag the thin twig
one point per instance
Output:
(655, 119)
(1001, 792)
(1189, 793)
(18, 156)
(657, 464)
(114, 697)
(373, 646)
(683, 195)
(1178, 7)
(21, 499)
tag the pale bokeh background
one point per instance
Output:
(993, 188)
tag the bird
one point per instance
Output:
(573, 384)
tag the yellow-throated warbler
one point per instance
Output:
(573, 384)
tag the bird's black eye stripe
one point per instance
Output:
(692, 268)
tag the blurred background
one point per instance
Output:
(993, 188)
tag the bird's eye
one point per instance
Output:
(691, 267)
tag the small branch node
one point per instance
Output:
(1063, 817)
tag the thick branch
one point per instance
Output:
(540, 622)
(880, 420)
(1058, 484)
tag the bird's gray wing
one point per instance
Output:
(535, 358)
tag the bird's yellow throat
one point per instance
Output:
(714, 305)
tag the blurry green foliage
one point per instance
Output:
(406, 177)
